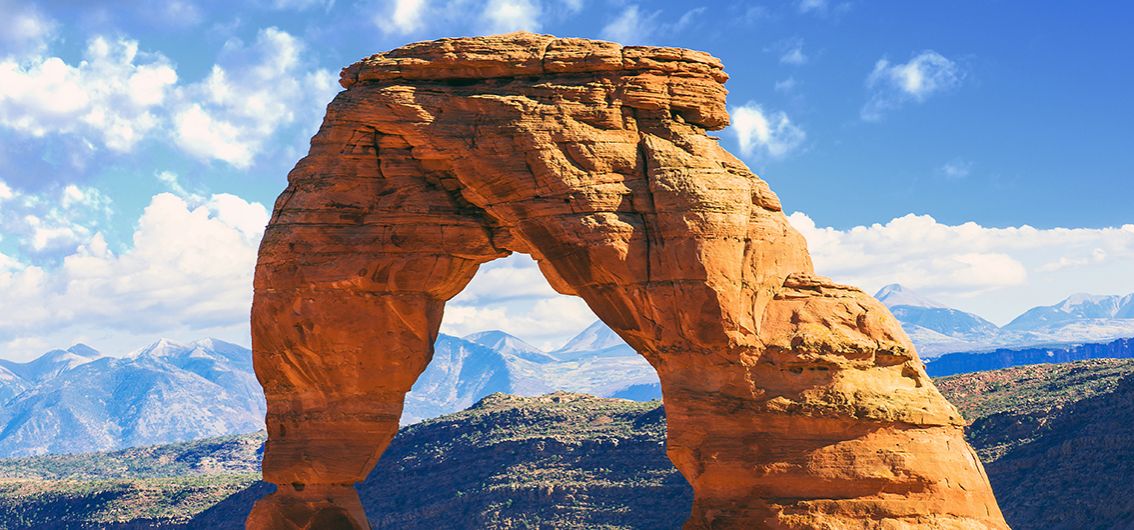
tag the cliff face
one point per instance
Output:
(792, 402)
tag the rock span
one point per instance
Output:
(792, 402)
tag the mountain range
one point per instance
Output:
(937, 329)
(464, 370)
(79, 400)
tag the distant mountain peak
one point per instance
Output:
(896, 294)
(506, 343)
(597, 336)
(82, 350)
(157, 348)
(496, 336)
(1082, 307)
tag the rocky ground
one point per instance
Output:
(1057, 441)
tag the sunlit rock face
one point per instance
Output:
(792, 402)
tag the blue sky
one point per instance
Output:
(979, 151)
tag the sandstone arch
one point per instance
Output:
(793, 402)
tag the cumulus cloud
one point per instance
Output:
(25, 28)
(117, 95)
(631, 26)
(480, 17)
(511, 294)
(764, 134)
(501, 16)
(635, 26)
(112, 96)
(401, 17)
(52, 223)
(173, 183)
(232, 113)
(791, 52)
(186, 268)
(893, 85)
(996, 272)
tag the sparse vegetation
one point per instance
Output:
(1047, 434)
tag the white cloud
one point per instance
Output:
(631, 26)
(439, 18)
(300, 5)
(792, 53)
(995, 272)
(635, 26)
(955, 169)
(25, 28)
(111, 96)
(173, 182)
(786, 85)
(764, 134)
(186, 268)
(809, 6)
(117, 95)
(822, 8)
(688, 19)
(892, 85)
(401, 17)
(54, 222)
(502, 16)
(512, 295)
(232, 113)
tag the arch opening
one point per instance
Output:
(509, 332)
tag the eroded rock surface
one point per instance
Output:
(792, 402)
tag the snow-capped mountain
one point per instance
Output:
(80, 400)
(937, 329)
(505, 343)
(597, 337)
(464, 370)
(934, 327)
(52, 363)
(1075, 308)
(896, 294)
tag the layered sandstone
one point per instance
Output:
(792, 402)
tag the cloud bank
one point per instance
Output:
(118, 95)
(995, 272)
(188, 269)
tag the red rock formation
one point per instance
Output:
(793, 402)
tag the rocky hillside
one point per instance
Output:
(1057, 442)
(148, 487)
(557, 461)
